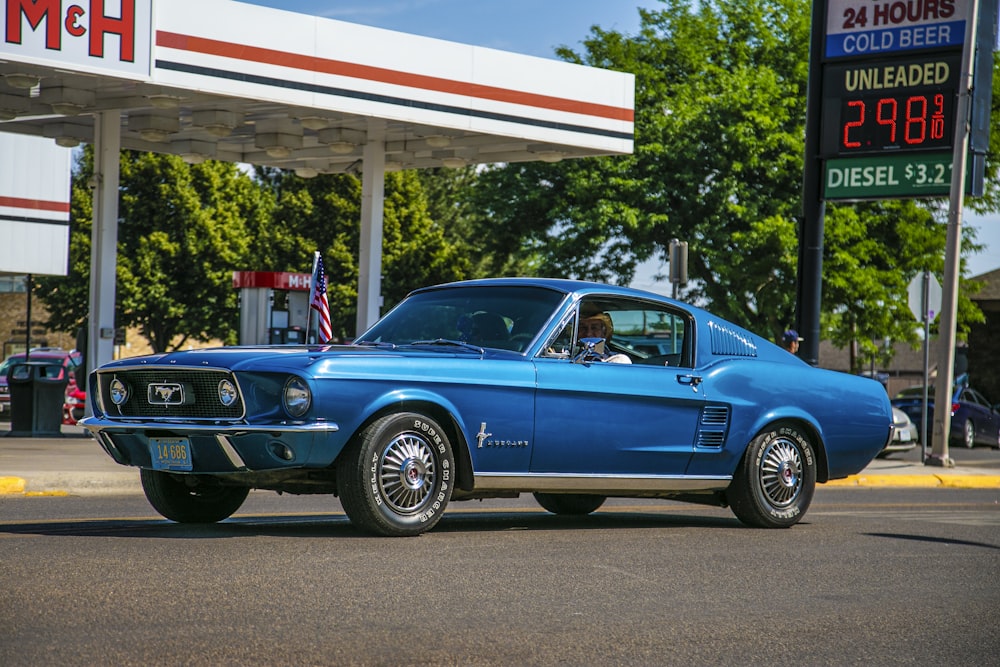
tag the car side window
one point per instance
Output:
(559, 346)
(974, 397)
(647, 333)
(658, 336)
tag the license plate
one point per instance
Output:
(170, 453)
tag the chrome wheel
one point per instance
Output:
(970, 434)
(395, 478)
(781, 472)
(774, 482)
(406, 473)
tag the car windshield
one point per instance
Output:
(503, 317)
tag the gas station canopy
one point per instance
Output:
(236, 82)
(242, 83)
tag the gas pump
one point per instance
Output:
(274, 307)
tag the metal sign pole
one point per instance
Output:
(925, 309)
(953, 250)
(312, 291)
(27, 328)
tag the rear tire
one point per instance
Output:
(969, 434)
(569, 504)
(775, 481)
(395, 478)
(202, 503)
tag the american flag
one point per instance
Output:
(319, 302)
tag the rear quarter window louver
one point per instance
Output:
(730, 342)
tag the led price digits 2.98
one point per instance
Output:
(897, 121)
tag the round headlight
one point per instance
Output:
(296, 397)
(119, 391)
(227, 393)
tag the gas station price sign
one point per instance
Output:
(890, 105)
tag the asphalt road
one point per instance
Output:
(871, 576)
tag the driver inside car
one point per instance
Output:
(599, 325)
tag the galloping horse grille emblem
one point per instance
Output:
(166, 394)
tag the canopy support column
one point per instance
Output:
(372, 205)
(104, 239)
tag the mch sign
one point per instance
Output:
(107, 36)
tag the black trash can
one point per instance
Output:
(37, 394)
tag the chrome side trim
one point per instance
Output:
(230, 452)
(96, 424)
(603, 484)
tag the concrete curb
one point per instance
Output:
(77, 484)
(951, 481)
(127, 482)
(12, 485)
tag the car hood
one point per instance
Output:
(285, 357)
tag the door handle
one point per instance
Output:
(691, 380)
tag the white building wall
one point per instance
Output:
(34, 205)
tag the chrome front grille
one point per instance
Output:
(170, 393)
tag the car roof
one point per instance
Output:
(44, 352)
(563, 285)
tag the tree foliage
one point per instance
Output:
(718, 158)
(182, 232)
(324, 213)
(719, 146)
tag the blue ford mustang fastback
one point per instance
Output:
(568, 390)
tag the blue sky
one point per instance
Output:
(537, 27)
(534, 27)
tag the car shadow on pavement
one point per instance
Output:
(337, 525)
(938, 540)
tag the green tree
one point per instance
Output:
(717, 161)
(719, 145)
(182, 232)
(324, 213)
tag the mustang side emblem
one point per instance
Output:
(482, 435)
(166, 394)
(484, 439)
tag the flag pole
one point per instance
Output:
(312, 292)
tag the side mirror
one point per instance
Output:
(593, 350)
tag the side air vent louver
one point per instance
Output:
(730, 342)
(707, 439)
(715, 415)
(713, 425)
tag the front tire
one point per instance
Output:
(395, 478)
(179, 502)
(569, 504)
(775, 481)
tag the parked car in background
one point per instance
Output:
(76, 397)
(486, 389)
(974, 420)
(904, 434)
